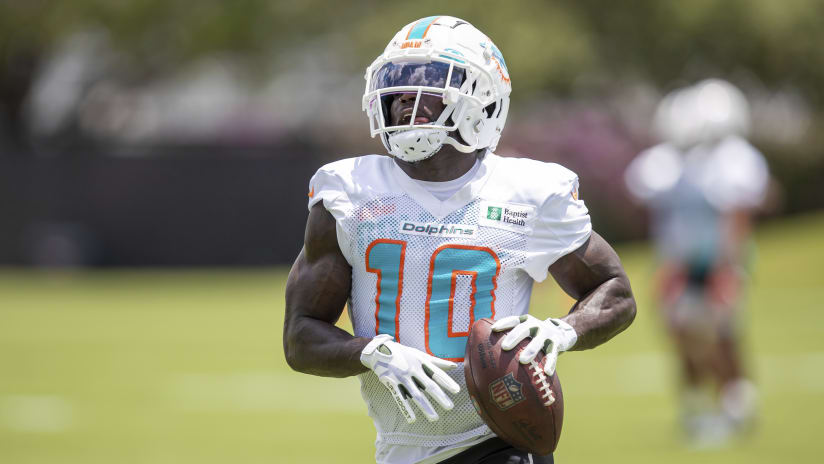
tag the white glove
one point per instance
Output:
(406, 372)
(551, 336)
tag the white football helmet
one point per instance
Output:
(448, 58)
(705, 112)
(723, 109)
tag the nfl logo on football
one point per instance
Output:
(506, 392)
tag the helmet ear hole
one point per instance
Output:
(490, 109)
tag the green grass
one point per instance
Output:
(187, 367)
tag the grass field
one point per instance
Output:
(187, 367)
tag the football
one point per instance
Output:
(519, 402)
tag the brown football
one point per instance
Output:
(521, 404)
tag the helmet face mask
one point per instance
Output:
(422, 80)
(438, 58)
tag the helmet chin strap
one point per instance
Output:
(459, 146)
(416, 144)
(419, 144)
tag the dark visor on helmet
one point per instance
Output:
(431, 74)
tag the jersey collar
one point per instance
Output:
(467, 194)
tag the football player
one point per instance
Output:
(441, 233)
(702, 185)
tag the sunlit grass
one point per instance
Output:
(187, 366)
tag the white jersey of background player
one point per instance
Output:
(701, 186)
(704, 170)
(428, 257)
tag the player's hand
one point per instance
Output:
(408, 373)
(551, 336)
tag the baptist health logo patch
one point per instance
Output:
(506, 392)
(510, 216)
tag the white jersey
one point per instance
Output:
(689, 193)
(423, 269)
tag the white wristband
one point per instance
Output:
(570, 336)
(370, 348)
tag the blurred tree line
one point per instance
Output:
(560, 47)
(547, 43)
(570, 55)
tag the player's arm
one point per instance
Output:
(594, 276)
(736, 229)
(316, 294)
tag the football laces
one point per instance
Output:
(540, 382)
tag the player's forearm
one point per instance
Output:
(603, 313)
(316, 293)
(317, 347)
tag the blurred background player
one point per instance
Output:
(702, 186)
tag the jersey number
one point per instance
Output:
(386, 259)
